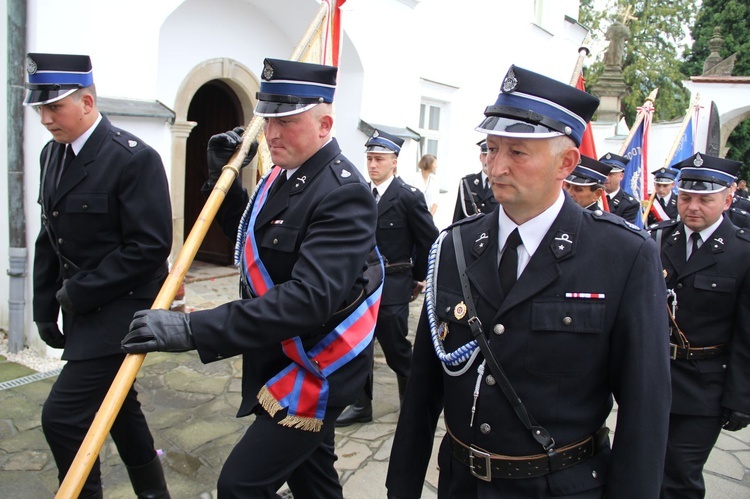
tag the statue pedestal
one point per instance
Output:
(610, 88)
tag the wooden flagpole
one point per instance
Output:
(675, 146)
(88, 452)
(638, 120)
(583, 52)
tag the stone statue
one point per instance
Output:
(616, 34)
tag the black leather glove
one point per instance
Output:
(220, 150)
(63, 298)
(159, 331)
(50, 334)
(734, 420)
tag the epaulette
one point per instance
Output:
(410, 189)
(663, 225)
(128, 141)
(344, 171)
(469, 219)
(603, 216)
(743, 234)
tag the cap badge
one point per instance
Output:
(608, 156)
(30, 66)
(132, 143)
(459, 311)
(510, 83)
(663, 170)
(698, 161)
(375, 134)
(267, 71)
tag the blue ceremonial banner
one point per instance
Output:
(685, 148)
(636, 171)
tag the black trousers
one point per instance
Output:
(391, 331)
(71, 406)
(691, 439)
(270, 454)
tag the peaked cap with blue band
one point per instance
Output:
(482, 146)
(665, 175)
(53, 77)
(702, 174)
(618, 162)
(533, 106)
(291, 87)
(589, 171)
(383, 142)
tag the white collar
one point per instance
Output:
(383, 185)
(532, 232)
(705, 233)
(78, 144)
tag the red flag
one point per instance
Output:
(587, 147)
(334, 24)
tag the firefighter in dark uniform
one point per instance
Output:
(100, 256)
(405, 233)
(620, 202)
(739, 212)
(309, 303)
(706, 263)
(586, 184)
(474, 192)
(664, 206)
(525, 372)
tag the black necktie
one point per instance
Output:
(695, 237)
(278, 183)
(508, 268)
(68, 157)
(486, 184)
(663, 203)
(375, 194)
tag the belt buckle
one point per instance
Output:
(475, 453)
(673, 351)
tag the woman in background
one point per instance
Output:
(429, 184)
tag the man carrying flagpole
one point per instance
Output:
(307, 315)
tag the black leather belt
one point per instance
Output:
(696, 353)
(486, 465)
(398, 268)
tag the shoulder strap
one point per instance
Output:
(467, 190)
(537, 432)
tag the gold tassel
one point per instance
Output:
(302, 423)
(269, 403)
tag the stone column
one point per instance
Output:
(180, 133)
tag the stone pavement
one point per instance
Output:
(190, 408)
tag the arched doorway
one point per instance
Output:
(215, 108)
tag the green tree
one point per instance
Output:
(733, 18)
(652, 53)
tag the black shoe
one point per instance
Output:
(359, 412)
(148, 480)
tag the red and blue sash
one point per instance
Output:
(302, 387)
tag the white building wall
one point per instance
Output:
(395, 52)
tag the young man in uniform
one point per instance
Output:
(586, 184)
(309, 298)
(474, 192)
(101, 256)
(664, 206)
(405, 233)
(706, 261)
(620, 202)
(531, 325)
